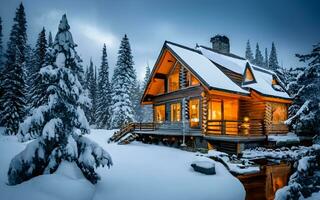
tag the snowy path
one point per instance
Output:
(140, 171)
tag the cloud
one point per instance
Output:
(97, 35)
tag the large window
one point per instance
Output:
(215, 110)
(160, 113)
(226, 109)
(194, 112)
(174, 79)
(175, 112)
(279, 113)
(230, 112)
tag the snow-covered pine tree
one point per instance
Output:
(249, 54)
(146, 109)
(136, 96)
(104, 93)
(62, 121)
(92, 89)
(305, 111)
(37, 88)
(50, 42)
(273, 59)
(123, 84)
(13, 83)
(258, 60)
(266, 59)
(1, 46)
(1, 65)
(305, 180)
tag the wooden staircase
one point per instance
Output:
(132, 137)
(125, 130)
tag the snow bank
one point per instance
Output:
(140, 171)
(284, 138)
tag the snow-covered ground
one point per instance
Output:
(140, 171)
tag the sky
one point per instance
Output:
(293, 25)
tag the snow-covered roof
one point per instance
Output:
(208, 71)
(204, 61)
(231, 63)
(263, 84)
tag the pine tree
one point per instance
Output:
(258, 60)
(273, 60)
(63, 123)
(147, 112)
(50, 42)
(104, 93)
(92, 89)
(249, 54)
(123, 85)
(305, 110)
(1, 67)
(266, 59)
(37, 88)
(13, 84)
(1, 47)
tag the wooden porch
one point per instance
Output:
(234, 127)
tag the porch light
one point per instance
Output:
(246, 119)
(194, 119)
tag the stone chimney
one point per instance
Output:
(220, 43)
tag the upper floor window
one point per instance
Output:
(174, 79)
(248, 76)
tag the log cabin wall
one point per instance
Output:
(255, 110)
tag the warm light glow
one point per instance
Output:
(194, 112)
(248, 76)
(174, 79)
(160, 112)
(214, 110)
(175, 112)
(246, 119)
(279, 113)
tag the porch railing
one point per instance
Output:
(235, 127)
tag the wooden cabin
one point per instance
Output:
(214, 97)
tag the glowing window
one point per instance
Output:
(174, 79)
(194, 81)
(160, 113)
(215, 110)
(194, 112)
(175, 112)
(215, 114)
(230, 112)
(230, 107)
(249, 76)
(279, 113)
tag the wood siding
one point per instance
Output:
(255, 110)
(194, 91)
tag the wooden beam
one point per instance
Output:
(160, 76)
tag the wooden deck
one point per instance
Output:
(235, 138)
